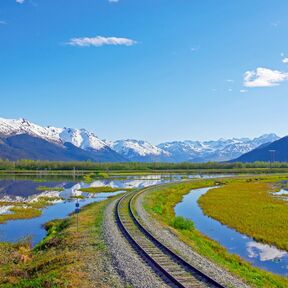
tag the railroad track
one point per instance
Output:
(178, 271)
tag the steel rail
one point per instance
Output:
(199, 276)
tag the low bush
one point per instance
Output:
(182, 223)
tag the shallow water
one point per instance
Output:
(26, 191)
(261, 255)
(13, 190)
(13, 231)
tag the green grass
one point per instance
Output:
(182, 223)
(26, 210)
(44, 188)
(160, 202)
(90, 177)
(250, 208)
(61, 259)
(19, 212)
(100, 189)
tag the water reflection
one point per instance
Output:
(263, 256)
(13, 231)
(264, 252)
(27, 191)
(281, 192)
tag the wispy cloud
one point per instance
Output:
(285, 60)
(243, 91)
(194, 49)
(275, 23)
(2, 22)
(264, 77)
(113, 1)
(20, 1)
(100, 41)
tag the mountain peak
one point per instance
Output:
(80, 138)
(139, 150)
(214, 150)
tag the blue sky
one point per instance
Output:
(153, 69)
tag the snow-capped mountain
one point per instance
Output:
(11, 127)
(90, 147)
(21, 139)
(80, 138)
(263, 153)
(139, 150)
(220, 150)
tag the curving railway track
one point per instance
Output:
(164, 261)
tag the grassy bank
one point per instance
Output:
(160, 203)
(65, 258)
(101, 189)
(44, 188)
(26, 210)
(250, 208)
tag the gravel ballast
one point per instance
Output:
(130, 266)
(171, 240)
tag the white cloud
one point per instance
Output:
(100, 41)
(113, 1)
(264, 77)
(243, 91)
(285, 60)
(230, 80)
(20, 1)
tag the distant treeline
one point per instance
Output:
(132, 166)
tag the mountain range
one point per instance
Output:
(21, 139)
(275, 151)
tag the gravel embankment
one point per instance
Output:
(171, 240)
(129, 265)
(101, 273)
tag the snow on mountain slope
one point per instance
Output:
(9, 127)
(138, 150)
(135, 150)
(220, 150)
(78, 137)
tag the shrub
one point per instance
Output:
(182, 223)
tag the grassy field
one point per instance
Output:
(250, 208)
(26, 210)
(18, 212)
(160, 203)
(101, 189)
(63, 258)
(44, 188)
